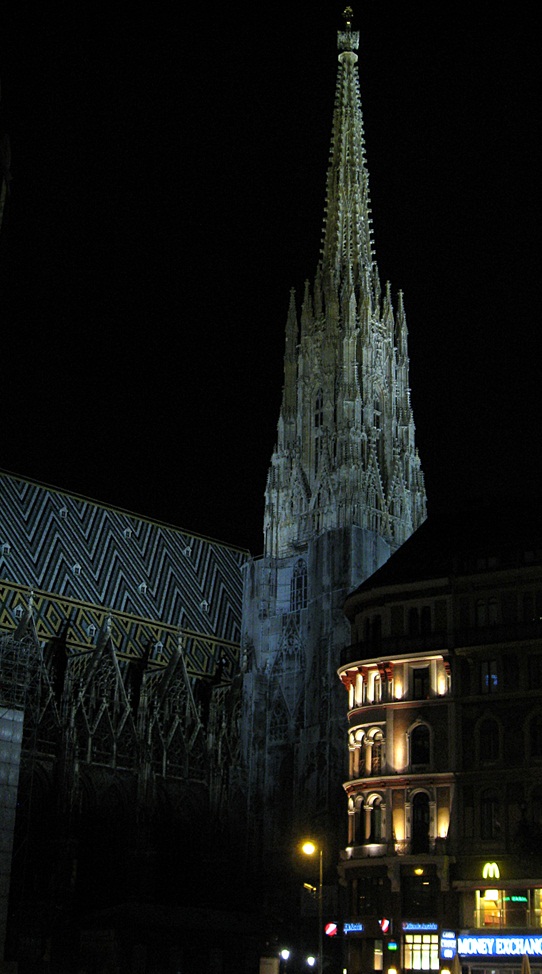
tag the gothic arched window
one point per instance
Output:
(298, 587)
(318, 427)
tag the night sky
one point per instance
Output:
(168, 179)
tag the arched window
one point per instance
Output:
(298, 587)
(377, 753)
(375, 834)
(420, 745)
(420, 823)
(488, 740)
(318, 427)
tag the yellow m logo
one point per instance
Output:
(491, 871)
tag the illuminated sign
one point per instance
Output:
(448, 945)
(491, 871)
(352, 928)
(331, 930)
(413, 927)
(392, 945)
(509, 946)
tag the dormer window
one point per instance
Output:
(76, 569)
(142, 588)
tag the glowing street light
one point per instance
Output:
(285, 953)
(310, 848)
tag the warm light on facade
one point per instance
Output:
(399, 755)
(398, 825)
(398, 691)
(443, 822)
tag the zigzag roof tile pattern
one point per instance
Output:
(84, 561)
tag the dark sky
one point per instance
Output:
(168, 191)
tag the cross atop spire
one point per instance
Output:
(348, 39)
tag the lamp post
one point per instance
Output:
(309, 848)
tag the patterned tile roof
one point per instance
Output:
(84, 562)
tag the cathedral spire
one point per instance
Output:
(346, 399)
(347, 240)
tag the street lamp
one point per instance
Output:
(309, 848)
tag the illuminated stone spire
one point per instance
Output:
(345, 451)
(344, 490)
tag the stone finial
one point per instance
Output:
(348, 40)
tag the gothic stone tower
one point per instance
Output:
(344, 490)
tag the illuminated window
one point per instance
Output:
(421, 952)
(489, 676)
(298, 587)
(489, 908)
